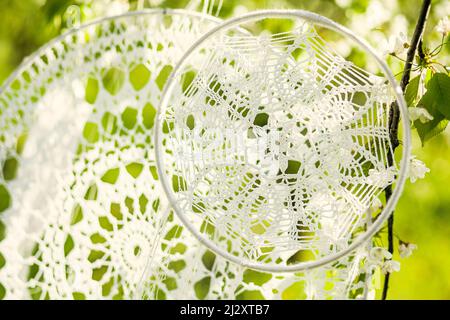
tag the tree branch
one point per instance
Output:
(394, 118)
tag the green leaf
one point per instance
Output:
(432, 128)
(437, 102)
(411, 91)
(439, 89)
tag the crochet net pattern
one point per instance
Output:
(277, 149)
(82, 209)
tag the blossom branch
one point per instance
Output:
(394, 118)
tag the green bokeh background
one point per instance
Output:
(423, 214)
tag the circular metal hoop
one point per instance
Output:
(323, 22)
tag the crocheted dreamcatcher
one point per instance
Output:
(278, 150)
(83, 214)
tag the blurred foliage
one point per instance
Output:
(423, 213)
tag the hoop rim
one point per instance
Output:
(404, 162)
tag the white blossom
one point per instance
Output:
(405, 249)
(419, 114)
(397, 44)
(381, 178)
(377, 258)
(443, 26)
(390, 266)
(417, 169)
(378, 254)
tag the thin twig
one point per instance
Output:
(394, 118)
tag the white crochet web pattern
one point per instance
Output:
(82, 208)
(276, 151)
